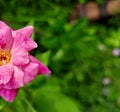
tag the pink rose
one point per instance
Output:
(17, 66)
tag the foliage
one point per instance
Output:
(85, 70)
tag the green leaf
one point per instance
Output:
(53, 100)
(31, 23)
(3, 104)
(44, 57)
(82, 1)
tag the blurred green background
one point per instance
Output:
(84, 58)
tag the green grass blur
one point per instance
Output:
(84, 59)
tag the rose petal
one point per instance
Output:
(19, 57)
(2, 25)
(17, 79)
(8, 95)
(22, 41)
(30, 71)
(28, 44)
(6, 72)
(6, 39)
(26, 31)
(42, 68)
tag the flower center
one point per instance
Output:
(4, 57)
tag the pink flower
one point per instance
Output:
(17, 66)
(116, 52)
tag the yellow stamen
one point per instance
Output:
(4, 57)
